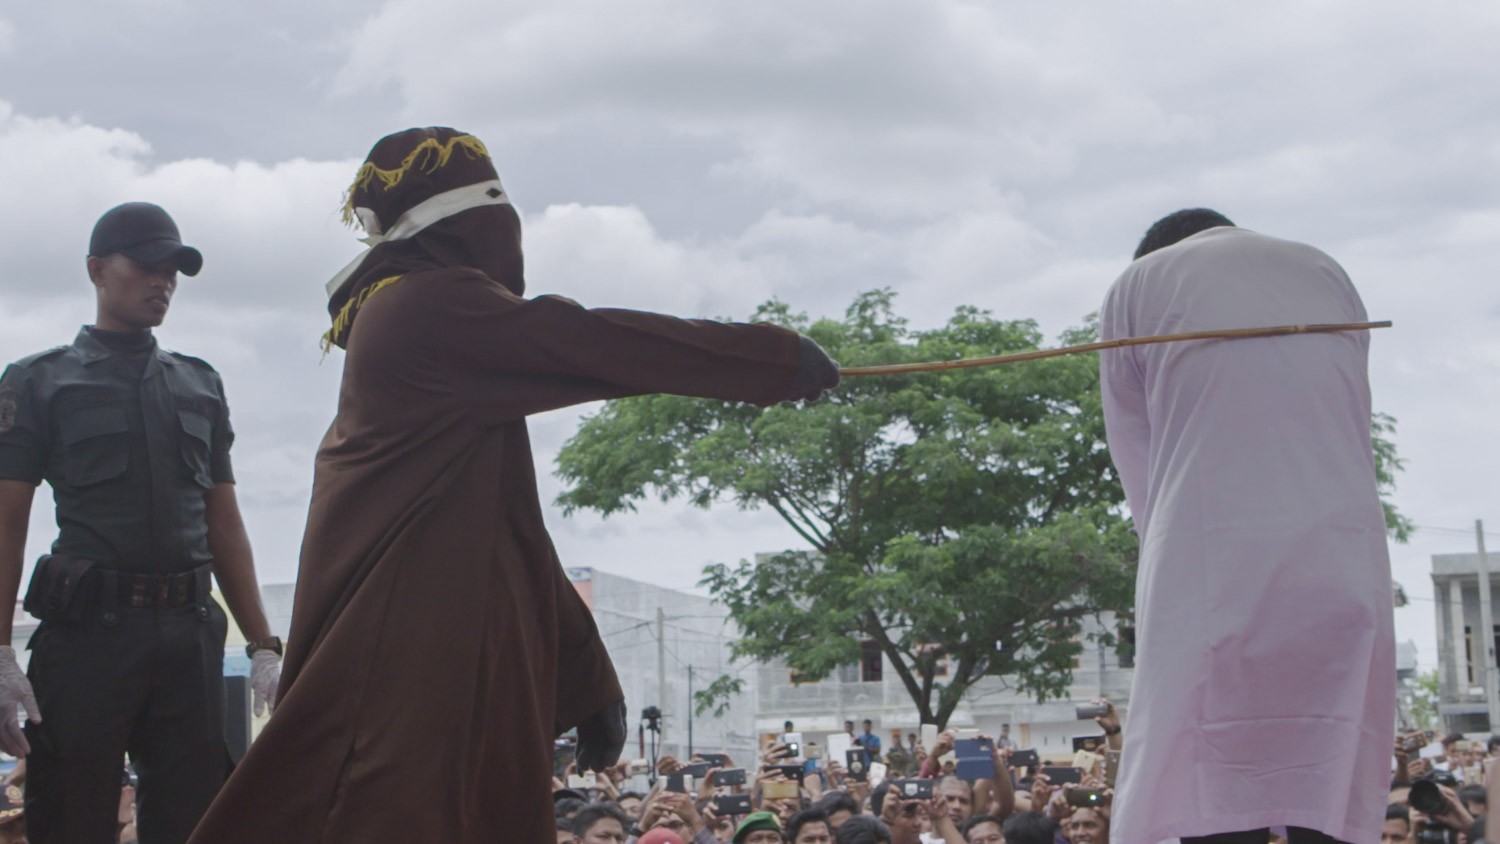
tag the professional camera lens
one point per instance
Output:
(1426, 797)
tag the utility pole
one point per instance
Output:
(690, 711)
(1484, 638)
(661, 666)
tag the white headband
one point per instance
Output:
(419, 217)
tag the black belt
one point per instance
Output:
(161, 590)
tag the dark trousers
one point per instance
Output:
(1295, 835)
(147, 682)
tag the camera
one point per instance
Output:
(1432, 833)
(913, 789)
(732, 804)
(1084, 798)
(680, 782)
(780, 790)
(730, 776)
(652, 716)
(1414, 742)
(1425, 795)
(1091, 711)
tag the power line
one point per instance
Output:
(1463, 531)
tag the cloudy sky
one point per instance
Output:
(701, 157)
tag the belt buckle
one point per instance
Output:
(162, 587)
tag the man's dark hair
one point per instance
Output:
(626, 795)
(868, 721)
(593, 813)
(805, 817)
(1397, 811)
(1029, 828)
(877, 797)
(1473, 794)
(837, 801)
(788, 726)
(979, 819)
(865, 829)
(1179, 225)
(567, 807)
(1451, 738)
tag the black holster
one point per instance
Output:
(60, 589)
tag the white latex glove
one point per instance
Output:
(265, 676)
(14, 689)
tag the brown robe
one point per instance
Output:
(436, 646)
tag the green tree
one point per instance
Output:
(1424, 701)
(965, 522)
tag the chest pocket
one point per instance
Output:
(197, 440)
(95, 445)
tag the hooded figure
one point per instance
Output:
(436, 643)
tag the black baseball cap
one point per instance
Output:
(144, 233)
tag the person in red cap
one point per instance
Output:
(134, 441)
(436, 643)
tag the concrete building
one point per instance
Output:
(872, 690)
(1463, 671)
(666, 644)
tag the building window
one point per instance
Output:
(871, 662)
(1125, 646)
(1469, 652)
(800, 679)
(940, 661)
(1469, 658)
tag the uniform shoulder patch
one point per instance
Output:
(190, 359)
(10, 399)
(53, 352)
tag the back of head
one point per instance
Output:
(864, 829)
(837, 801)
(1177, 226)
(593, 813)
(1029, 828)
(567, 807)
(877, 796)
(1473, 795)
(426, 198)
(978, 820)
(803, 818)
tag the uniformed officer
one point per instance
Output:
(134, 441)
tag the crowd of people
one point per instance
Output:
(912, 794)
(906, 794)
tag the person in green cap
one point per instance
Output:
(759, 828)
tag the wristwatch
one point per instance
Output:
(270, 643)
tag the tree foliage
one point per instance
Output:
(967, 522)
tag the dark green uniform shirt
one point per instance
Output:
(129, 441)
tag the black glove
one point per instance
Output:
(601, 737)
(816, 372)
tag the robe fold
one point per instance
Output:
(437, 647)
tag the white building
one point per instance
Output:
(666, 644)
(1463, 672)
(871, 689)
